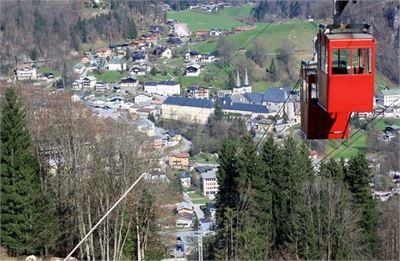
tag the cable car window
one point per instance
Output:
(341, 61)
(323, 59)
(361, 61)
(304, 91)
(314, 91)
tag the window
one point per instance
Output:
(304, 90)
(323, 60)
(351, 61)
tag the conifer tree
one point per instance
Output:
(20, 184)
(268, 190)
(227, 199)
(358, 176)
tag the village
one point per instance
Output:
(151, 79)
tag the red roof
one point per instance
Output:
(181, 155)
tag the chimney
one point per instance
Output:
(237, 78)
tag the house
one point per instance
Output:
(184, 220)
(86, 60)
(79, 68)
(156, 29)
(389, 98)
(215, 32)
(142, 98)
(179, 160)
(146, 111)
(128, 83)
(146, 126)
(185, 178)
(77, 84)
(209, 183)
(192, 70)
(181, 29)
(89, 82)
(193, 56)
(166, 88)
(101, 86)
(163, 52)
(175, 135)
(198, 92)
(26, 72)
(139, 57)
(137, 70)
(117, 64)
(104, 52)
(201, 33)
(184, 207)
(207, 58)
(158, 142)
(174, 41)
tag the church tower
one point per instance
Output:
(238, 85)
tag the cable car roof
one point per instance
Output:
(349, 36)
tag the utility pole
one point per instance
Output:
(200, 246)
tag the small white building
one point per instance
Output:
(129, 82)
(166, 88)
(185, 177)
(89, 82)
(209, 183)
(184, 220)
(117, 64)
(26, 72)
(142, 98)
(193, 70)
(79, 68)
(181, 29)
(163, 52)
(389, 98)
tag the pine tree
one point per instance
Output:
(227, 199)
(251, 243)
(218, 113)
(358, 177)
(20, 184)
(269, 190)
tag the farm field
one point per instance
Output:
(298, 31)
(236, 12)
(109, 76)
(199, 20)
(349, 148)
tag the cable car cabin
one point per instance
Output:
(346, 62)
(316, 123)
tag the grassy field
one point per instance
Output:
(382, 123)
(197, 198)
(204, 158)
(109, 76)
(199, 20)
(262, 86)
(236, 12)
(55, 72)
(298, 31)
(351, 147)
(358, 143)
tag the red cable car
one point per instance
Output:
(340, 81)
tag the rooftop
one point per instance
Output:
(391, 92)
